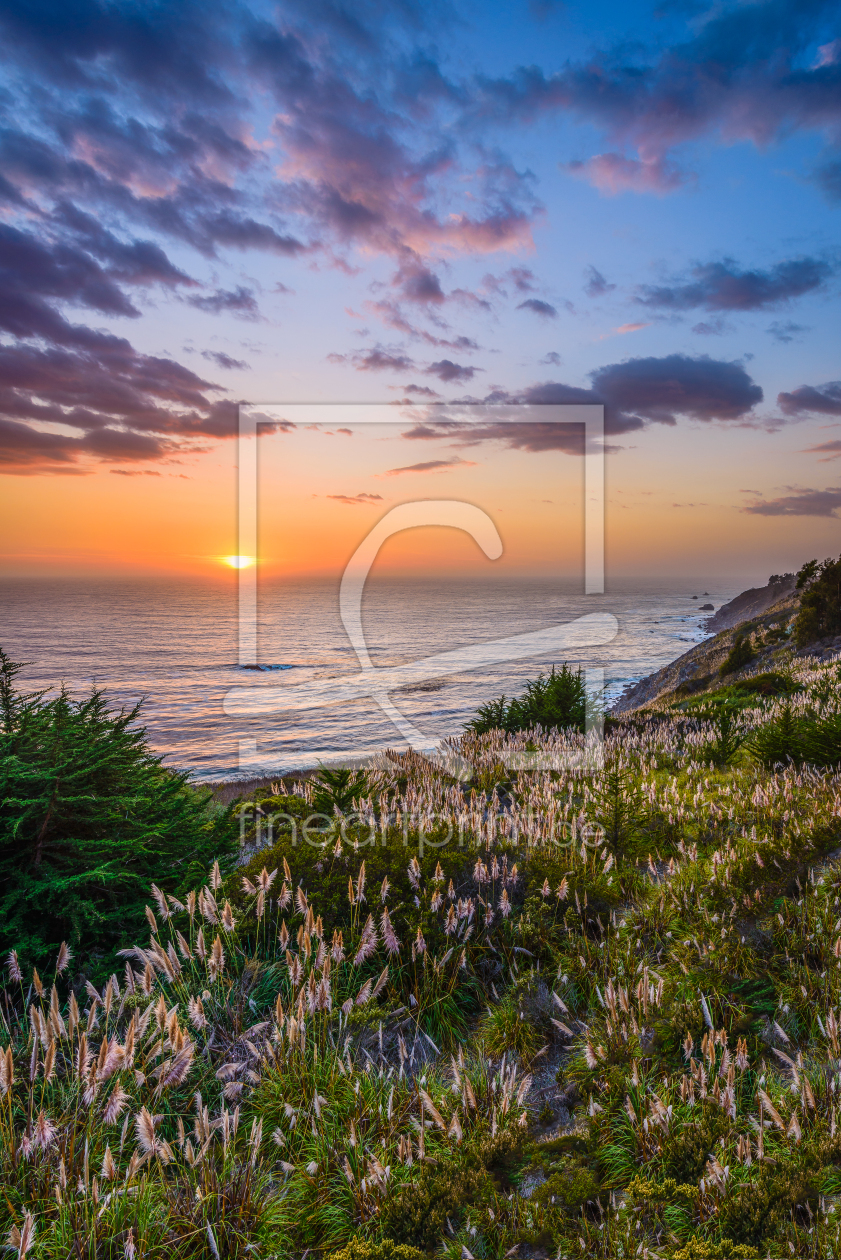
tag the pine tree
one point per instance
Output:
(89, 819)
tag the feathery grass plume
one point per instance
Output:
(13, 966)
(228, 917)
(7, 1071)
(20, 1240)
(216, 959)
(65, 954)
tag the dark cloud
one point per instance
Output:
(552, 359)
(239, 301)
(539, 308)
(724, 286)
(635, 393)
(818, 399)
(828, 179)
(800, 503)
(711, 327)
(375, 360)
(597, 286)
(223, 360)
(448, 371)
(748, 72)
(423, 390)
(785, 332)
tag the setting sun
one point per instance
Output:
(238, 562)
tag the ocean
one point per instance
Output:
(174, 645)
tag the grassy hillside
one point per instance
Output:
(543, 1000)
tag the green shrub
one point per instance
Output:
(89, 820)
(779, 741)
(558, 699)
(385, 1249)
(442, 1194)
(741, 654)
(820, 603)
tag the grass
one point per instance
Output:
(585, 1007)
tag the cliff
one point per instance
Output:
(697, 670)
(752, 603)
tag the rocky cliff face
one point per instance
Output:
(697, 670)
(752, 603)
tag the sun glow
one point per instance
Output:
(238, 562)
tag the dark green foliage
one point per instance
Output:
(557, 699)
(689, 1146)
(729, 734)
(618, 809)
(339, 789)
(820, 603)
(771, 683)
(89, 819)
(779, 741)
(419, 1214)
(821, 741)
(741, 654)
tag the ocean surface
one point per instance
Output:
(174, 645)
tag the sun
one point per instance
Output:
(238, 562)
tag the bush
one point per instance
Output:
(820, 604)
(741, 654)
(558, 699)
(779, 741)
(89, 820)
(362, 1249)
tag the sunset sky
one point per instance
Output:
(415, 204)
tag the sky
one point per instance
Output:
(420, 205)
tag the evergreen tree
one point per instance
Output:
(89, 819)
(554, 700)
(820, 604)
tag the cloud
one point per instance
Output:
(747, 72)
(596, 285)
(611, 174)
(711, 327)
(431, 466)
(423, 390)
(239, 302)
(828, 179)
(818, 399)
(635, 393)
(832, 451)
(223, 360)
(552, 358)
(375, 360)
(629, 328)
(802, 503)
(786, 332)
(362, 499)
(448, 371)
(723, 286)
(539, 308)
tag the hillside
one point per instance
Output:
(765, 619)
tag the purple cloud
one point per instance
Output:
(802, 503)
(448, 371)
(539, 307)
(818, 399)
(724, 286)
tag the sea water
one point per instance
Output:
(173, 646)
